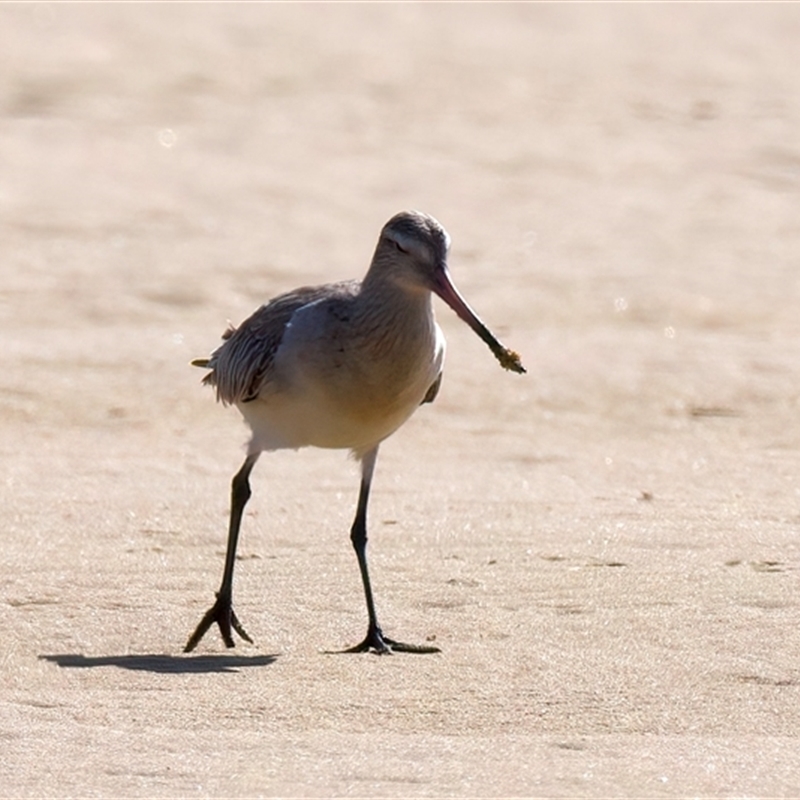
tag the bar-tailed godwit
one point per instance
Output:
(342, 365)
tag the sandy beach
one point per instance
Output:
(606, 549)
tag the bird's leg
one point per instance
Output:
(375, 639)
(222, 611)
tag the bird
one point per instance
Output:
(340, 365)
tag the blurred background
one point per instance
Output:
(620, 183)
(166, 166)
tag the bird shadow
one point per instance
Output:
(163, 664)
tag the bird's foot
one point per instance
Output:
(223, 614)
(376, 642)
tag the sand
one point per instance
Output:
(605, 549)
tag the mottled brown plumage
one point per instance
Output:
(241, 366)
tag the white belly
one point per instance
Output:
(323, 400)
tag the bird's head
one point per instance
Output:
(412, 255)
(411, 249)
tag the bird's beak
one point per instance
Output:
(446, 289)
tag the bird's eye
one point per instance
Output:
(399, 248)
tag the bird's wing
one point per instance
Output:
(241, 365)
(433, 390)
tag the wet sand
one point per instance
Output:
(605, 549)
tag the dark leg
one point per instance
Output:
(222, 611)
(375, 640)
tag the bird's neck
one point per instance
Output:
(390, 298)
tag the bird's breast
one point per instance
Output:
(349, 378)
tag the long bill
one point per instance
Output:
(444, 287)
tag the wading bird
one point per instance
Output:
(342, 365)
